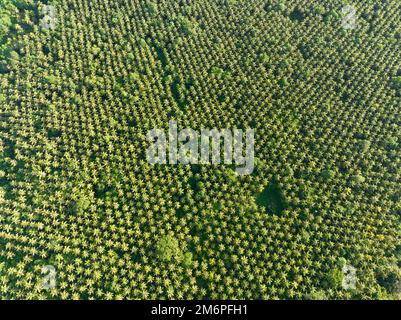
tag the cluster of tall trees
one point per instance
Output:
(77, 193)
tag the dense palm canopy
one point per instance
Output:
(77, 193)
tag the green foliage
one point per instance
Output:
(389, 277)
(316, 295)
(9, 16)
(151, 7)
(50, 79)
(358, 179)
(265, 58)
(187, 26)
(219, 73)
(77, 192)
(391, 143)
(319, 9)
(279, 6)
(7, 8)
(396, 82)
(334, 279)
(187, 259)
(80, 203)
(332, 16)
(328, 174)
(168, 249)
(297, 15)
(272, 198)
(5, 24)
(364, 145)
